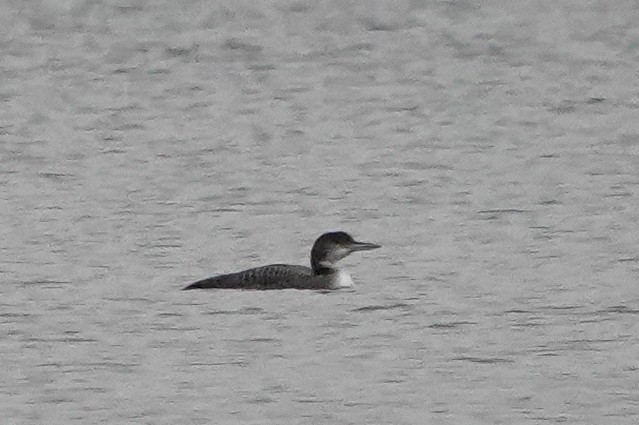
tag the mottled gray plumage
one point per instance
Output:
(273, 276)
(328, 249)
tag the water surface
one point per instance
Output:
(491, 148)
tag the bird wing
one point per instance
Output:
(274, 276)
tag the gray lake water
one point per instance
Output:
(491, 147)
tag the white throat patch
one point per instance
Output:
(342, 280)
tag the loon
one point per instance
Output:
(327, 250)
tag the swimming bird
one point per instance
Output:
(327, 250)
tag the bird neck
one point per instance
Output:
(322, 268)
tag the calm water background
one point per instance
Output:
(491, 147)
